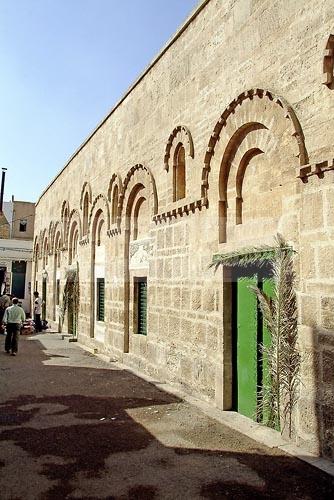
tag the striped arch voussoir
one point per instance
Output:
(100, 203)
(86, 188)
(180, 134)
(146, 178)
(289, 114)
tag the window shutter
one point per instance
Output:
(142, 307)
(100, 299)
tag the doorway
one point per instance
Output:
(249, 333)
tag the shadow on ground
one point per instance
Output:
(69, 432)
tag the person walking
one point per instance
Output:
(13, 318)
(37, 312)
(4, 303)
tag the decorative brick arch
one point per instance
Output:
(145, 177)
(180, 135)
(86, 188)
(114, 191)
(51, 235)
(57, 230)
(65, 215)
(328, 66)
(36, 251)
(115, 180)
(75, 218)
(45, 249)
(35, 258)
(42, 236)
(100, 203)
(288, 112)
(57, 245)
(85, 203)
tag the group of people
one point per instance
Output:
(12, 317)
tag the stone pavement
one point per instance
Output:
(73, 426)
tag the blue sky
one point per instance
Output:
(64, 64)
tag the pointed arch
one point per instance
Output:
(45, 251)
(85, 203)
(57, 245)
(328, 64)
(100, 203)
(245, 160)
(57, 230)
(75, 217)
(51, 236)
(75, 234)
(65, 214)
(36, 249)
(229, 154)
(180, 135)
(250, 95)
(114, 190)
(86, 189)
(145, 177)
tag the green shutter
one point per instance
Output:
(142, 307)
(100, 299)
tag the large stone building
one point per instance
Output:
(224, 141)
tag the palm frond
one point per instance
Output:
(71, 295)
(252, 255)
(279, 392)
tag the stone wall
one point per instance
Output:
(23, 212)
(240, 88)
(4, 227)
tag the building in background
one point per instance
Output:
(16, 240)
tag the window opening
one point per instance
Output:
(100, 292)
(140, 299)
(114, 205)
(23, 225)
(179, 173)
(85, 214)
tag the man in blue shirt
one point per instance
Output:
(13, 318)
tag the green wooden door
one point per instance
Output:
(251, 370)
(246, 347)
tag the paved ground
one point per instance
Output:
(72, 426)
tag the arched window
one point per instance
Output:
(85, 214)
(45, 254)
(329, 63)
(57, 249)
(73, 243)
(114, 205)
(36, 257)
(179, 173)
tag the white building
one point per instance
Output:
(16, 242)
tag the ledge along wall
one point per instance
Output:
(224, 141)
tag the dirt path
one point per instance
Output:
(72, 426)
